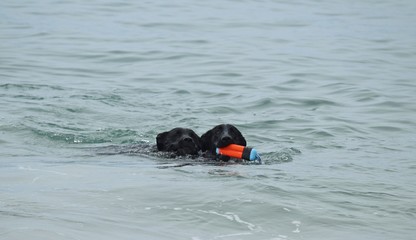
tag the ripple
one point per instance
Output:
(79, 136)
(148, 57)
(223, 110)
(387, 128)
(316, 102)
(28, 87)
(262, 103)
(282, 156)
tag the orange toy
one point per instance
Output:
(238, 151)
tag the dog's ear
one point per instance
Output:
(240, 139)
(160, 141)
(198, 142)
(196, 139)
(206, 140)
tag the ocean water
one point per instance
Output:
(324, 90)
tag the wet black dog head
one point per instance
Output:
(182, 141)
(221, 136)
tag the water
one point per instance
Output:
(324, 90)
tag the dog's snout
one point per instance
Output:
(226, 138)
(187, 139)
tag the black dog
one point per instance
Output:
(221, 136)
(181, 141)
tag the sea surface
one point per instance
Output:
(325, 90)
